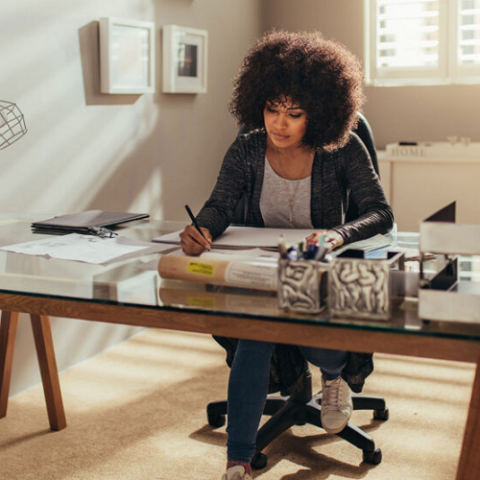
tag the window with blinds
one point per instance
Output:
(422, 41)
(468, 39)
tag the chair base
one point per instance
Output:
(301, 408)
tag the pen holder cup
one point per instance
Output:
(302, 285)
(364, 287)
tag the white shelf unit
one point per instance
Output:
(418, 185)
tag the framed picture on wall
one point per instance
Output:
(127, 56)
(184, 59)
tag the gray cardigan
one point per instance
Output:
(336, 177)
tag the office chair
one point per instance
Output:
(302, 407)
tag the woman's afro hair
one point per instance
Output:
(320, 76)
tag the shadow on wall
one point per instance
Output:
(138, 173)
(119, 186)
(160, 150)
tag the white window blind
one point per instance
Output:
(422, 41)
(469, 32)
(407, 33)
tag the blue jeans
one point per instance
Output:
(248, 389)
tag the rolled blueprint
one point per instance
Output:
(237, 273)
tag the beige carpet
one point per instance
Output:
(137, 411)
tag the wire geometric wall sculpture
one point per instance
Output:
(12, 124)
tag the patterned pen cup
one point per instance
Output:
(363, 287)
(301, 285)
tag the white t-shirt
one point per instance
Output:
(275, 200)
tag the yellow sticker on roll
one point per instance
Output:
(201, 269)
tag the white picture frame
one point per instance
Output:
(185, 53)
(127, 56)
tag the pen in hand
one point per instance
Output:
(195, 224)
(194, 221)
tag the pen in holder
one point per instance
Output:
(300, 285)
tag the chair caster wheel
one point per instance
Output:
(259, 461)
(374, 457)
(381, 414)
(216, 421)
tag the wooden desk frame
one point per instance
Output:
(40, 309)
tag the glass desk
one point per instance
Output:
(131, 292)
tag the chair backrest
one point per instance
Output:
(363, 130)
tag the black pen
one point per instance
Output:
(194, 221)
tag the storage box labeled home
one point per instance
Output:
(300, 285)
(363, 287)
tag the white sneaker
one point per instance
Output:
(337, 405)
(236, 473)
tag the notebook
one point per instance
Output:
(84, 221)
(253, 237)
(246, 237)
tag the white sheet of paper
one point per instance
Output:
(85, 248)
(252, 237)
(247, 237)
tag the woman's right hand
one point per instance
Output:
(193, 243)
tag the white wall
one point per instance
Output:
(86, 150)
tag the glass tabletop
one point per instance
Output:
(136, 282)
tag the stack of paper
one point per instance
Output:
(252, 237)
(86, 248)
(246, 237)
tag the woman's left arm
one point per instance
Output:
(375, 213)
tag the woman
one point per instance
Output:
(298, 94)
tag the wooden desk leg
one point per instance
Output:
(469, 465)
(8, 329)
(42, 333)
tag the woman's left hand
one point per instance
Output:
(332, 238)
